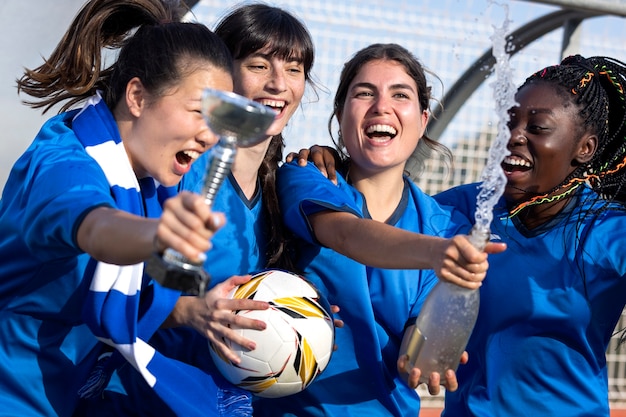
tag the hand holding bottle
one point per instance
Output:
(413, 375)
(459, 262)
(438, 338)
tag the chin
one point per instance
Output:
(273, 131)
(278, 126)
(514, 196)
(169, 181)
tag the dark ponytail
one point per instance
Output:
(155, 47)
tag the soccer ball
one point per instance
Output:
(295, 346)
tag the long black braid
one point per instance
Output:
(596, 85)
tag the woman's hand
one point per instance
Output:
(434, 382)
(334, 309)
(213, 315)
(187, 226)
(457, 261)
(324, 158)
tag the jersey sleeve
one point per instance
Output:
(303, 191)
(604, 241)
(57, 187)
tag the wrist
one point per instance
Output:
(157, 245)
(177, 316)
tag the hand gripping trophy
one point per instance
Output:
(238, 122)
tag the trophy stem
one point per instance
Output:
(222, 158)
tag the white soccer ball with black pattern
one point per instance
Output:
(296, 345)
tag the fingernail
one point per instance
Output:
(217, 220)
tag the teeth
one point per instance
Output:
(273, 103)
(517, 162)
(192, 154)
(381, 129)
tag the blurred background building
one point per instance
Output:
(448, 36)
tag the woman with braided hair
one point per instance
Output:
(550, 303)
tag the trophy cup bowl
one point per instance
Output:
(232, 116)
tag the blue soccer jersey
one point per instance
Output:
(361, 378)
(46, 350)
(239, 247)
(548, 308)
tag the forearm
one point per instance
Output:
(117, 237)
(181, 312)
(376, 244)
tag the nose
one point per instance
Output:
(207, 138)
(277, 82)
(517, 137)
(381, 105)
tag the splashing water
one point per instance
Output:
(493, 178)
(447, 318)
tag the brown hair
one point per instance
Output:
(246, 30)
(155, 47)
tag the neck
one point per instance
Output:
(539, 214)
(382, 191)
(246, 166)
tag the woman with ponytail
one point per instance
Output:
(95, 194)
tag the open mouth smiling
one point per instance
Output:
(186, 157)
(515, 164)
(276, 105)
(381, 132)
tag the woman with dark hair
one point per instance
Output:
(549, 305)
(273, 54)
(95, 195)
(374, 243)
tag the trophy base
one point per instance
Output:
(190, 279)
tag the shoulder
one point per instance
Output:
(436, 218)
(462, 198)
(466, 191)
(297, 183)
(57, 166)
(291, 170)
(57, 151)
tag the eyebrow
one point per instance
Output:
(532, 111)
(268, 57)
(399, 86)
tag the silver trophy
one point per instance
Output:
(238, 122)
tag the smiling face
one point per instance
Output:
(547, 142)
(381, 120)
(273, 82)
(168, 133)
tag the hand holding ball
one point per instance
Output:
(295, 347)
